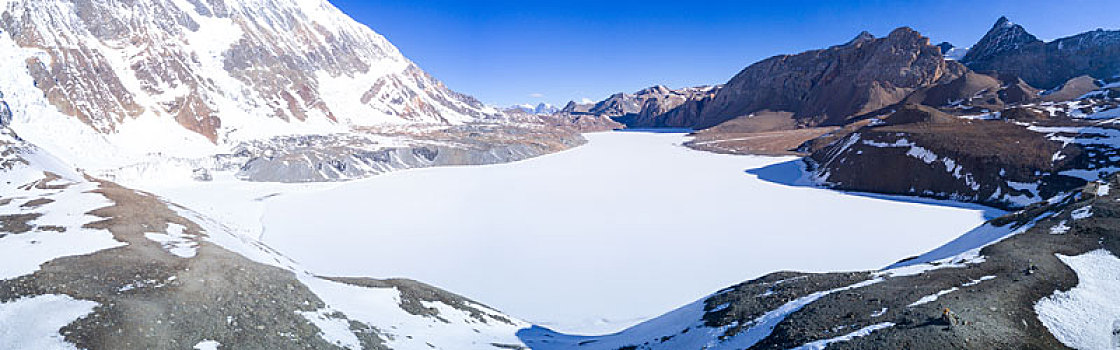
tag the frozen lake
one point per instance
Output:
(600, 237)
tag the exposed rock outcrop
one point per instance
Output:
(1009, 49)
(320, 158)
(829, 86)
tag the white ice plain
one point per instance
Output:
(598, 238)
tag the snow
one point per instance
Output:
(35, 322)
(1103, 189)
(764, 325)
(1060, 229)
(862, 332)
(1086, 317)
(933, 297)
(207, 345)
(175, 241)
(1082, 213)
(334, 330)
(977, 281)
(959, 252)
(380, 307)
(879, 313)
(434, 226)
(666, 331)
(21, 254)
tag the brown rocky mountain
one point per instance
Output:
(1009, 49)
(829, 86)
(820, 87)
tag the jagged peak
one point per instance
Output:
(863, 36)
(903, 31)
(1004, 36)
(1003, 22)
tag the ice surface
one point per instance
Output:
(609, 234)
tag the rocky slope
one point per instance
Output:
(1041, 278)
(829, 86)
(87, 263)
(1009, 49)
(1009, 157)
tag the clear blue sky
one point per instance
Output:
(508, 52)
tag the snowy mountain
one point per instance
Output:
(127, 85)
(952, 52)
(656, 106)
(188, 90)
(540, 109)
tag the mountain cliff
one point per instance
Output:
(829, 86)
(1009, 49)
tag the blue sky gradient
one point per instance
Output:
(509, 52)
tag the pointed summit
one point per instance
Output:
(861, 38)
(1005, 36)
(1003, 22)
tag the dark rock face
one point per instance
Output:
(945, 46)
(922, 151)
(829, 86)
(1005, 37)
(1009, 49)
(5, 114)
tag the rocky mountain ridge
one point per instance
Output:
(1009, 49)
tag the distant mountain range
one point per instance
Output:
(836, 85)
(540, 109)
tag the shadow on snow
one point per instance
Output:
(793, 173)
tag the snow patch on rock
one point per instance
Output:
(35, 322)
(1084, 317)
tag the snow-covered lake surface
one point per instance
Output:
(590, 240)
